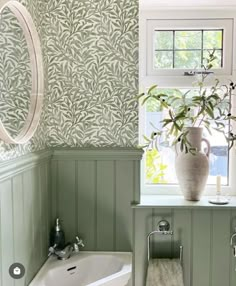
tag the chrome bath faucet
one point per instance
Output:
(65, 253)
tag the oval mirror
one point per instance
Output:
(21, 74)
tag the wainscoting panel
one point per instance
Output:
(205, 236)
(201, 248)
(94, 190)
(233, 259)
(221, 254)
(183, 237)
(24, 202)
(65, 197)
(86, 203)
(105, 205)
(123, 212)
(91, 191)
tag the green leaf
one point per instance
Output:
(210, 112)
(146, 138)
(177, 126)
(145, 99)
(211, 105)
(182, 146)
(231, 117)
(152, 88)
(164, 104)
(208, 129)
(140, 95)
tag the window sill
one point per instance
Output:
(164, 201)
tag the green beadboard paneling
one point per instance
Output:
(201, 248)
(45, 198)
(66, 199)
(87, 203)
(7, 232)
(232, 258)
(53, 192)
(20, 245)
(105, 205)
(101, 193)
(220, 248)
(182, 237)
(28, 226)
(93, 199)
(143, 226)
(104, 191)
(98, 154)
(24, 216)
(37, 223)
(205, 236)
(123, 212)
(137, 193)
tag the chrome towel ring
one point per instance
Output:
(163, 229)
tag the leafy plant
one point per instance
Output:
(154, 167)
(210, 107)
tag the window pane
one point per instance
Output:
(188, 59)
(163, 40)
(218, 157)
(212, 39)
(217, 63)
(163, 59)
(160, 165)
(188, 40)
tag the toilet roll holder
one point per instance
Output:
(233, 243)
(163, 229)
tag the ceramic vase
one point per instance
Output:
(192, 170)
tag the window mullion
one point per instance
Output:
(202, 50)
(173, 49)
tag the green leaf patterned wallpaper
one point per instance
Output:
(91, 74)
(92, 55)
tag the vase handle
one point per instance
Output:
(177, 149)
(208, 146)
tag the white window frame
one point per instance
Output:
(179, 81)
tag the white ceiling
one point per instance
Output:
(151, 4)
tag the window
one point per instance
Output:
(168, 49)
(187, 49)
(175, 46)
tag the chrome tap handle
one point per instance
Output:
(233, 244)
(77, 244)
(52, 250)
(79, 241)
(232, 240)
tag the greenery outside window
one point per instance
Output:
(177, 46)
(186, 48)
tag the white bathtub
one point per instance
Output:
(86, 269)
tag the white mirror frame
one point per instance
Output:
(36, 61)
